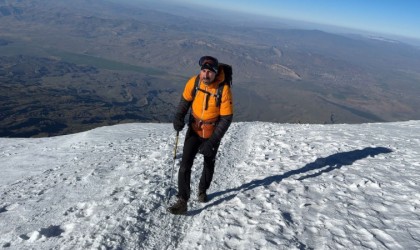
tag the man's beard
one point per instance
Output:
(206, 80)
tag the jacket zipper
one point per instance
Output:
(203, 108)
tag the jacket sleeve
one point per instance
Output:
(221, 128)
(226, 107)
(182, 109)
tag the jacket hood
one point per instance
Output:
(220, 77)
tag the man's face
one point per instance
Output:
(207, 76)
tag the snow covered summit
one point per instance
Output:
(276, 186)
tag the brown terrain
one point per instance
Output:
(66, 67)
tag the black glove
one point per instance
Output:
(178, 124)
(207, 149)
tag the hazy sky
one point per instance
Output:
(401, 17)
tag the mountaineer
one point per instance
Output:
(209, 97)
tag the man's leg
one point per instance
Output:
(207, 174)
(208, 171)
(191, 144)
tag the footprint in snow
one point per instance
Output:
(3, 209)
(48, 232)
(81, 210)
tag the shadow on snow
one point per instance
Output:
(332, 162)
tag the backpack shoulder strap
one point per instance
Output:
(196, 85)
(219, 94)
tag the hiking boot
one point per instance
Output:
(180, 207)
(202, 196)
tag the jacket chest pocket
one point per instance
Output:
(211, 101)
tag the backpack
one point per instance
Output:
(227, 69)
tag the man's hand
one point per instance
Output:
(178, 124)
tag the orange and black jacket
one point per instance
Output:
(203, 105)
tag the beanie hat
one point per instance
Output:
(210, 63)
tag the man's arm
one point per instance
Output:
(180, 114)
(221, 128)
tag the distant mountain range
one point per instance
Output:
(70, 66)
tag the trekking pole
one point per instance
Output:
(173, 166)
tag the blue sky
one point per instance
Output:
(399, 17)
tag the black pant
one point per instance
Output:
(191, 146)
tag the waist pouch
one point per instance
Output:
(204, 128)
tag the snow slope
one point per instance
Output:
(276, 186)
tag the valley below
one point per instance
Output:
(70, 67)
